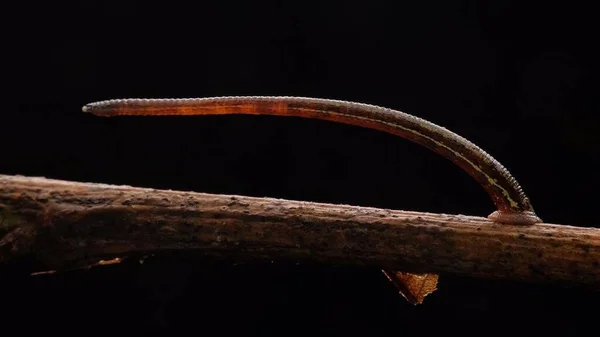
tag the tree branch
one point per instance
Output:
(61, 223)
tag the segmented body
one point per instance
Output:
(513, 206)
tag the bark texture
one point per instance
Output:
(62, 223)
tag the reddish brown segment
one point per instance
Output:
(414, 287)
(513, 206)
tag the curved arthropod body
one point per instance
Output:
(513, 206)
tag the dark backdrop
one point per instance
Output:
(518, 80)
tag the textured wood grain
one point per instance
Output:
(62, 222)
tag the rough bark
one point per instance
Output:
(61, 223)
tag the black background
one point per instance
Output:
(518, 80)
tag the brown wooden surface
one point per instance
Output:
(61, 223)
